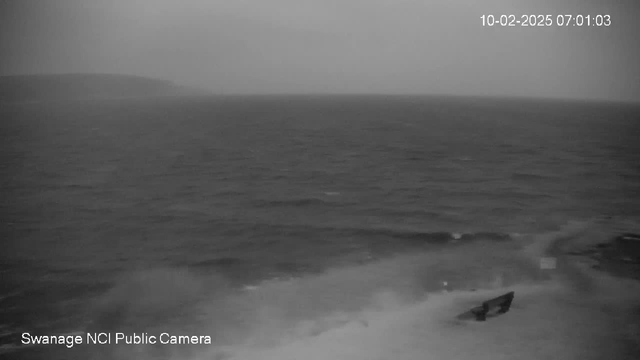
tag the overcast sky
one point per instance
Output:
(331, 46)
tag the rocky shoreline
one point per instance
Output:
(620, 256)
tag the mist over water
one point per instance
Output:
(334, 47)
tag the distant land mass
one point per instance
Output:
(68, 87)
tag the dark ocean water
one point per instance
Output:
(137, 215)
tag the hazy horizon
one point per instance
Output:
(401, 47)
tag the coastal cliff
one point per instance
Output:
(65, 87)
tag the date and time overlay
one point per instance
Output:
(510, 20)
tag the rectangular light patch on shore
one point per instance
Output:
(548, 263)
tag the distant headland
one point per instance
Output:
(68, 87)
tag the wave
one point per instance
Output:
(308, 305)
(390, 232)
(396, 307)
(300, 202)
(374, 311)
(328, 198)
(222, 262)
(528, 176)
(435, 237)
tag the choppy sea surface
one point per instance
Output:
(285, 227)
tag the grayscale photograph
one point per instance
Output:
(319, 179)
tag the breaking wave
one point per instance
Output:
(400, 307)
